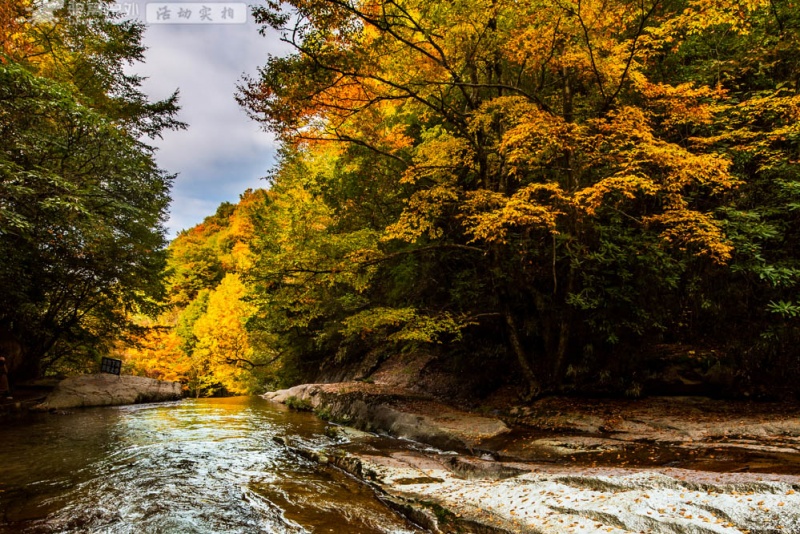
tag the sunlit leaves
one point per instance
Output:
(535, 207)
(223, 350)
(593, 161)
(403, 324)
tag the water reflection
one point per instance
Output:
(199, 466)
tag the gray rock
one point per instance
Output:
(108, 390)
(397, 412)
(463, 494)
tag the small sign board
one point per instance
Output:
(111, 366)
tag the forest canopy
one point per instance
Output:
(551, 188)
(552, 194)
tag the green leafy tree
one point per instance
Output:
(82, 202)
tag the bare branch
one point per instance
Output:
(588, 41)
(645, 16)
(253, 365)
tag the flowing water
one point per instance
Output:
(198, 466)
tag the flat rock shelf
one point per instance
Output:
(108, 390)
(480, 473)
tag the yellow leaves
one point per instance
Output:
(616, 162)
(18, 39)
(760, 124)
(682, 104)
(403, 324)
(490, 216)
(624, 128)
(693, 231)
(436, 160)
(156, 352)
(700, 15)
(597, 42)
(534, 136)
(645, 166)
(302, 216)
(632, 147)
(422, 213)
(439, 153)
(223, 344)
(621, 187)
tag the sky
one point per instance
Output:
(223, 151)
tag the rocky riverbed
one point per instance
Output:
(561, 465)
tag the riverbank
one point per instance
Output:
(102, 389)
(85, 391)
(24, 397)
(566, 465)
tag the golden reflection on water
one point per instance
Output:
(200, 466)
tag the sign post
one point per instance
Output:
(111, 366)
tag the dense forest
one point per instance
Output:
(82, 201)
(552, 194)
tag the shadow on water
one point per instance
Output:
(198, 466)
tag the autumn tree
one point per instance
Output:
(157, 350)
(223, 351)
(200, 337)
(547, 157)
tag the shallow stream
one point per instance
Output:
(197, 466)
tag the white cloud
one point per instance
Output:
(223, 152)
(184, 215)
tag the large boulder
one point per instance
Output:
(108, 390)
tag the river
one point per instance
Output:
(197, 466)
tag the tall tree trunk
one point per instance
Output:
(564, 330)
(534, 387)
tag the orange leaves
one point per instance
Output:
(16, 39)
(533, 37)
(682, 104)
(617, 162)
(591, 44)
(629, 144)
(156, 352)
(533, 137)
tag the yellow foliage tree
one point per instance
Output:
(567, 169)
(156, 353)
(223, 356)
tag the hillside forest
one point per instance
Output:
(565, 196)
